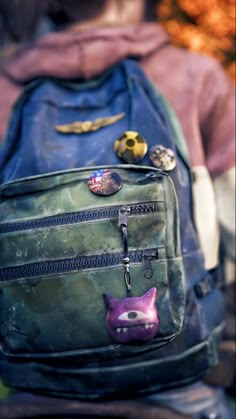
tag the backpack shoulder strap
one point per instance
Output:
(134, 70)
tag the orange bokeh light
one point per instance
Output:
(206, 27)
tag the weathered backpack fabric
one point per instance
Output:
(103, 291)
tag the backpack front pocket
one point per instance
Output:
(56, 268)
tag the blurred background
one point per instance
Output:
(203, 26)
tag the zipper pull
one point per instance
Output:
(148, 256)
(127, 276)
(124, 212)
(123, 227)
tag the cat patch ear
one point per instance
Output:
(150, 295)
(110, 301)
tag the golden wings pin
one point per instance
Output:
(80, 127)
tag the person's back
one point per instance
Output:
(94, 45)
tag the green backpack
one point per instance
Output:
(99, 297)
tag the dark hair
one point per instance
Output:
(150, 13)
(67, 11)
(20, 17)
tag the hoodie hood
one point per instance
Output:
(73, 54)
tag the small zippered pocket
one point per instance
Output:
(82, 262)
(57, 243)
(41, 269)
(76, 217)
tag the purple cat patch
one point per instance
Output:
(132, 319)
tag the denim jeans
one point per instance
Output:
(197, 400)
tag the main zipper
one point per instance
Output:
(80, 216)
(74, 264)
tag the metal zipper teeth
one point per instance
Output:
(68, 265)
(78, 217)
